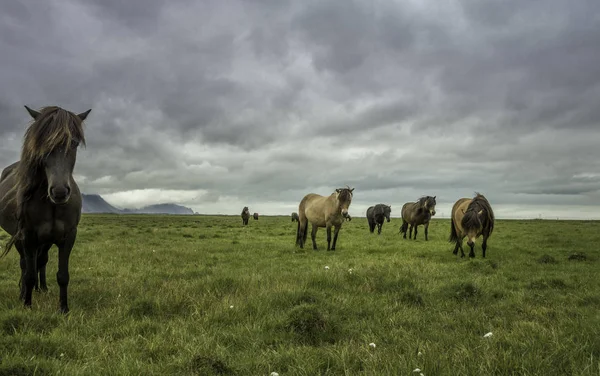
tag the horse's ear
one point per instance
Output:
(34, 114)
(337, 190)
(83, 115)
(434, 197)
(351, 190)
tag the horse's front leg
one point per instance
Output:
(472, 246)
(23, 265)
(410, 232)
(335, 236)
(379, 228)
(62, 276)
(30, 276)
(416, 227)
(426, 231)
(42, 261)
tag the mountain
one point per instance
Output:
(161, 209)
(96, 204)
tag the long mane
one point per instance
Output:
(471, 218)
(53, 128)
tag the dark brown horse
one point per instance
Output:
(471, 218)
(40, 203)
(323, 211)
(376, 216)
(417, 213)
(255, 216)
(245, 216)
(294, 217)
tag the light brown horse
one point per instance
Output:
(40, 203)
(323, 211)
(471, 218)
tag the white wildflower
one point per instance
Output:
(230, 306)
(487, 335)
(274, 374)
(419, 354)
(326, 267)
(416, 370)
(372, 345)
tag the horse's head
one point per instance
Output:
(387, 211)
(428, 204)
(344, 199)
(50, 149)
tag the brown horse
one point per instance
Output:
(323, 211)
(40, 203)
(417, 213)
(471, 218)
(255, 216)
(294, 217)
(245, 216)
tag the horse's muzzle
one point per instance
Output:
(60, 195)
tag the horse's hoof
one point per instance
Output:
(64, 310)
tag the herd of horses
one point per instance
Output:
(40, 205)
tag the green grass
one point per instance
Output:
(157, 295)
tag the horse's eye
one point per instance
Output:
(74, 144)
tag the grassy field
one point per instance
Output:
(158, 295)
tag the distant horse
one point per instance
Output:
(323, 211)
(376, 215)
(245, 216)
(294, 217)
(417, 213)
(40, 202)
(471, 218)
(255, 216)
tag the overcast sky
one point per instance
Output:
(221, 104)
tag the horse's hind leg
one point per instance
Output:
(329, 238)
(313, 236)
(409, 232)
(23, 265)
(416, 227)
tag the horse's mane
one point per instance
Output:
(471, 217)
(53, 128)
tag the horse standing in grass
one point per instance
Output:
(255, 216)
(471, 218)
(245, 216)
(294, 217)
(376, 215)
(323, 211)
(40, 202)
(417, 213)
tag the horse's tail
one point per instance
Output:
(298, 234)
(9, 244)
(453, 235)
(404, 227)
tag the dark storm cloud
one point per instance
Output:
(267, 100)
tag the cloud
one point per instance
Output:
(265, 101)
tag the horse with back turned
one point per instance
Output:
(323, 211)
(40, 202)
(471, 218)
(376, 215)
(417, 213)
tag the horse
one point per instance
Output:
(348, 218)
(471, 218)
(376, 215)
(294, 217)
(255, 216)
(245, 216)
(417, 213)
(40, 202)
(323, 211)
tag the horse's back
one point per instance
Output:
(314, 207)
(7, 170)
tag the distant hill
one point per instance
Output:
(96, 204)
